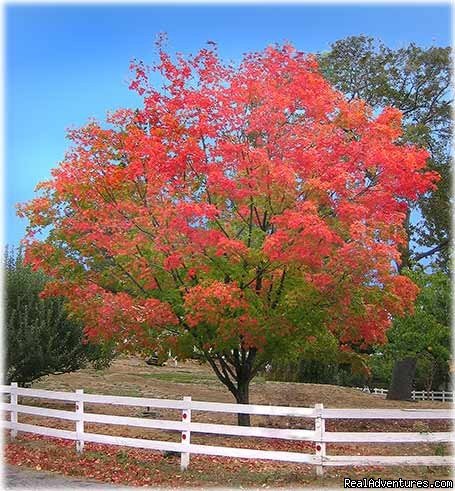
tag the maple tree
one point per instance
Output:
(243, 213)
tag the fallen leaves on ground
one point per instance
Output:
(140, 467)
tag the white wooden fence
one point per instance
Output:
(417, 395)
(186, 427)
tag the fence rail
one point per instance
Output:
(186, 427)
(416, 395)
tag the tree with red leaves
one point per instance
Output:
(243, 213)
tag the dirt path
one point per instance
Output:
(22, 478)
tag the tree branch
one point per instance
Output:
(223, 378)
(280, 289)
(422, 255)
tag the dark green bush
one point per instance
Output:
(40, 338)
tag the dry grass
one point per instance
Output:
(133, 377)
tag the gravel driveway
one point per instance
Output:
(22, 478)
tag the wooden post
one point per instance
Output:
(443, 396)
(186, 435)
(319, 426)
(13, 414)
(80, 422)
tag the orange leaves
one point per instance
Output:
(120, 316)
(353, 116)
(234, 248)
(389, 123)
(302, 236)
(173, 261)
(209, 304)
(225, 308)
(403, 293)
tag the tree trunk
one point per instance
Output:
(235, 370)
(402, 378)
(404, 249)
(243, 397)
(430, 376)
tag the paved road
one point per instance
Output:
(27, 479)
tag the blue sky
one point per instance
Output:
(65, 64)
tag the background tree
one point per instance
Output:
(40, 339)
(321, 371)
(243, 213)
(423, 336)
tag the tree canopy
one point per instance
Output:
(242, 212)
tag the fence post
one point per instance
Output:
(319, 427)
(186, 435)
(443, 396)
(13, 414)
(80, 422)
